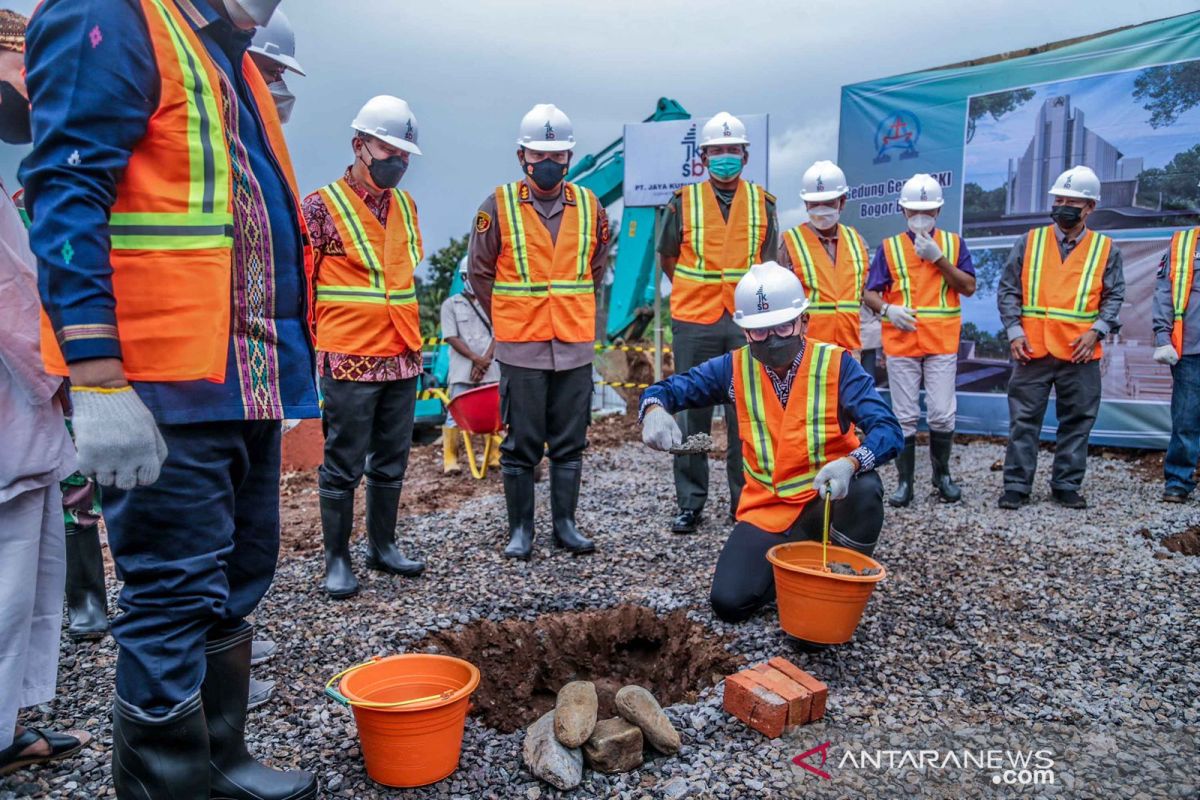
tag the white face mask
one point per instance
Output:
(921, 223)
(824, 217)
(284, 99)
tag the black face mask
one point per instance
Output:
(546, 174)
(1067, 217)
(777, 351)
(385, 172)
(14, 115)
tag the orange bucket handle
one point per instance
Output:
(334, 693)
(346, 701)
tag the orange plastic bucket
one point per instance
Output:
(407, 743)
(815, 605)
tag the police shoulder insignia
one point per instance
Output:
(568, 193)
(524, 191)
(679, 192)
(770, 197)
(604, 232)
(483, 221)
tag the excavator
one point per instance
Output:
(630, 306)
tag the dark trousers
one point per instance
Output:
(368, 429)
(547, 412)
(1184, 448)
(745, 580)
(196, 550)
(1077, 401)
(693, 344)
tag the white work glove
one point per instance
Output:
(116, 436)
(659, 429)
(900, 316)
(927, 248)
(1166, 355)
(833, 479)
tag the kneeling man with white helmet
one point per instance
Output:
(801, 407)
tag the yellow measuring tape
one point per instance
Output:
(825, 535)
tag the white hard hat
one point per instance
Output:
(248, 14)
(277, 41)
(823, 181)
(462, 266)
(724, 128)
(1077, 182)
(768, 295)
(921, 192)
(546, 129)
(390, 119)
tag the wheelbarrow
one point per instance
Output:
(477, 412)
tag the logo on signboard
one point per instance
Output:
(692, 166)
(898, 131)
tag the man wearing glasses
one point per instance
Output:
(536, 261)
(799, 404)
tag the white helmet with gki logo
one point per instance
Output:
(724, 128)
(1078, 182)
(823, 181)
(768, 295)
(546, 129)
(391, 120)
(921, 192)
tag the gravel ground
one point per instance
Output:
(1040, 628)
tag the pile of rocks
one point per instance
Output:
(562, 740)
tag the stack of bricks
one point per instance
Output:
(774, 697)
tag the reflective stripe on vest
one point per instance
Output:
(514, 225)
(339, 204)
(1181, 264)
(1035, 256)
(757, 231)
(808, 266)
(895, 249)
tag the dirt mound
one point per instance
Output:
(524, 664)
(1185, 542)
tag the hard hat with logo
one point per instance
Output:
(724, 128)
(390, 119)
(248, 14)
(1077, 182)
(823, 181)
(768, 295)
(921, 192)
(277, 41)
(546, 129)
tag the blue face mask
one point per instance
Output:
(724, 167)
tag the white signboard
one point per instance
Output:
(662, 156)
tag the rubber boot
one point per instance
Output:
(337, 521)
(518, 496)
(940, 443)
(160, 758)
(906, 463)
(383, 504)
(233, 773)
(494, 458)
(564, 497)
(87, 602)
(450, 451)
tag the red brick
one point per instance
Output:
(820, 692)
(760, 708)
(799, 699)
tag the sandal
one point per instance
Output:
(61, 746)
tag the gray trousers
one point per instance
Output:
(1077, 401)
(693, 344)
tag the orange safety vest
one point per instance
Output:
(1180, 263)
(366, 301)
(1061, 301)
(715, 253)
(783, 449)
(834, 289)
(918, 284)
(171, 227)
(544, 288)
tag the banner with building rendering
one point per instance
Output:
(996, 132)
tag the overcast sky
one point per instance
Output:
(470, 70)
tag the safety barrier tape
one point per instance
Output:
(438, 394)
(620, 385)
(600, 347)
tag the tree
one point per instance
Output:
(1168, 91)
(996, 106)
(989, 266)
(434, 289)
(980, 205)
(1175, 183)
(987, 345)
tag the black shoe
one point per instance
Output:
(1011, 499)
(1174, 496)
(383, 504)
(906, 464)
(564, 499)
(337, 520)
(61, 745)
(1068, 498)
(940, 444)
(234, 774)
(160, 758)
(87, 600)
(518, 496)
(687, 520)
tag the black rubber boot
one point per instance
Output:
(160, 758)
(940, 444)
(564, 498)
(518, 496)
(87, 602)
(233, 772)
(906, 463)
(383, 504)
(337, 520)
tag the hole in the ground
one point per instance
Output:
(524, 664)
(1185, 542)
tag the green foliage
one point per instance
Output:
(987, 345)
(1176, 182)
(1168, 91)
(980, 205)
(996, 106)
(433, 290)
(989, 266)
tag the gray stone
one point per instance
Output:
(615, 746)
(575, 713)
(547, 759)
(639, 707)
